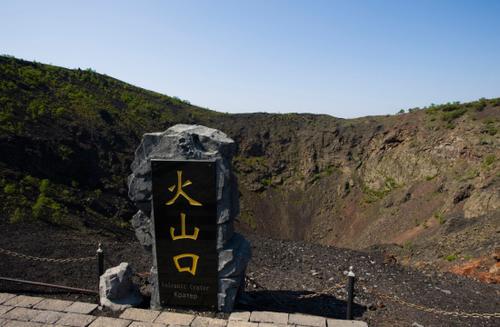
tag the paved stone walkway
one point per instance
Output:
(31, 311)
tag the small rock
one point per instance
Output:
(447, 292)
(116, 289)
(495, 269)
(496, 254)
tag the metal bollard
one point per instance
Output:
(100, 263)
(350, 293)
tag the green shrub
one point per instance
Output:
(489, 160)
(470, 174)
(440, 218)
(489, 128)
(330, 170)
(9, 189)
(248, 218)
(408, 246)
(47, 209)
(30, 180)
(64, 151)
(451, 257)
(44, 186)
(372, 195)
(17, 216)
(449, 125)
(266, 181)
(448, 112)
(449, 116)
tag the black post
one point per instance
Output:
(350, 293)
(100, 263)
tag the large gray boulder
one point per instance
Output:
(193, 142)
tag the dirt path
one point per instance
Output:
(282, 276)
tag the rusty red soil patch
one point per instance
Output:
(483, 269)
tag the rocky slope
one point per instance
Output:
(410, 179)
(422, 186)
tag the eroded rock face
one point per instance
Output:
(193, 142)
(116, 290)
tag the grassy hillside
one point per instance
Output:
(427, 179)
(66, 139)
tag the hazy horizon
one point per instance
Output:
(343, 59)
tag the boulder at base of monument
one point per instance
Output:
(116, 289)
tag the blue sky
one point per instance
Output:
(343, 58)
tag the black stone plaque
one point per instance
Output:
(185, 220)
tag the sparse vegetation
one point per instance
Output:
(267, 182)
(327, 172)
(408, 246)
(439, 217)
(250, 161)
(451, 257)
(451, 111)
(469, 174)
(430, 178)
(489, 160)
(247, 217)
(17, 216)
(489, 127)
(372, 195)
(47, 208)
(9, 189)
(34, 199)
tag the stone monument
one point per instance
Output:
(193, 143)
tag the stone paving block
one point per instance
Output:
(240, 316)
(75, 320)
(174, 318)
(5, 297)
(81, 307)
(208, 322)
(110, 322)
(237, 323)
(140, 314)
(146, 324)
(4, 309)
(268, 324)
(306, 320)
(345, 323)
(53, 305)
(47, 317)
(278, 318)
(16, 323)
(23, 314)
(23, 301)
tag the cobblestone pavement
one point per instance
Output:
(29, 311)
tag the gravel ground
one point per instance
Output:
(282, 276)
